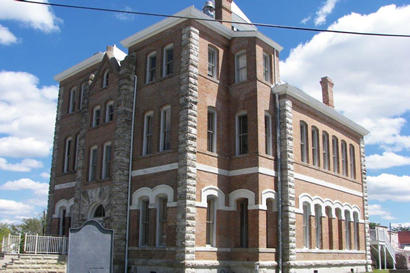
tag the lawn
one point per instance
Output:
(380, 271)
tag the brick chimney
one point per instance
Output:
(223, 11)
(327, 91)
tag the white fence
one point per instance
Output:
(11, 244)
(45, 244)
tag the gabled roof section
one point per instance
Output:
(193, 13)
(239, 16)
(118, 54)
(294, 92)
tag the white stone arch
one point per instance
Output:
(268, 194)
(241, 193)
(213, 191)
(162, 190)
(320, 202)
(304, 197)
(63, 203)
(329, 203)
(138, 194)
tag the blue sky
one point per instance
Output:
(371, 75)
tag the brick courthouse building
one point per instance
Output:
(231, 170)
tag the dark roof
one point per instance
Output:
(404, 237)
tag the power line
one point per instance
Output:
(213, 20)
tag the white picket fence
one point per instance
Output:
(35, 244)
(11, 244)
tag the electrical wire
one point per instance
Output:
(213, 20)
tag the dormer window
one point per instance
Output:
(240, 67)
(151, 67)
(168, 60)
(105, 79)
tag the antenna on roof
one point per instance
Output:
(209, 9)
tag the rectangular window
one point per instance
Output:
(303, 142)
(151, 67)
(335, 146)
(212, 62)
(96, 116)
(267, 67)
(76, 149)
(109, 112)
(92, 169)
(347, 230)
(318, 223)
(211, 131)
(268, 134)
(306, 225)
(242, 134)
(72, 100)
(147, 141)
(315, 146)
(168, 60)
(144, 223)
(243, 207)
(67, 155)
(352, 162)
(240, 67)
(344, 158)
(210, 222)
(82, 94)
(162, 222)
(106, 172)
(165, 139)
(325, 139)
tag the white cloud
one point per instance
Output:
(389, 187)
(45, 175)
(386, 160)
(11, 207)
(28, 115)
(306, 19)
(324, 11)
(24, 166)
(370, 73)
(36, 16)
(125, 16)
(38, 188)
(6, 37)
(39, 202)
(377, 210)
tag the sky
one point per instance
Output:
(371, 75)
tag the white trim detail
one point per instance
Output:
(327, 184)
(63, 203)
(212, 191)
(156, 169)
(268, 194)
(210, 169)
(64, 186)
(152, 194)
(242, 193)
(331, 251)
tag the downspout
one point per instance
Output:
(130, 174)
(279, 175)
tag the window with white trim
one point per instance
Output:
(72, 100)
(335, 146)
(352, 162)
(162, 221)
(96, 116)
(168, 60)
(165, 132)
(356, 230)
(306, 225)
(318, 225)
(151, 67)
(325, 147)
(241, 134)
(240, 66)
(92, 164)
(267, 67)
(109, 111)
(211, 137)
(344, 158)
(348, 230)
(105, 79)
(303, 142)
(212, 62)
(243, 214)
(147, 139)
(268, 134)
(210, 221)
(67, 154)
(315, 147)
(144, 223)
(107, 156)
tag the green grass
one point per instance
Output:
(380, 271)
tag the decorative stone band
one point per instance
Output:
(325, 263)
(65, 186)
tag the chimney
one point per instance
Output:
(223, 11)
(327, 91)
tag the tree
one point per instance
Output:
(4, 231)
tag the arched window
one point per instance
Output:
(306, 225)
(168, 60)
(339, 228)
(96, 116)
(99, 212)
(347, 229)
(165, 132)
(325, 148)
(243, 214)
(211, 136)
(62, 222)
(344, 158)
(318, 225)
(240, 66)
(151, 67)
(72, 100)
(92, 164)
(335, 146)
(109, 111)
(315, 147)
(162, 220)
(107, 158)
(67, 154)
(268, 134)
(241, 133)
(211, 220)
(147, 139)
(330, 227)
(82, 94)
(105, 79)
(270, 223)
(356, 230)
(303, 142)
(352, 162)
(144, 223)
